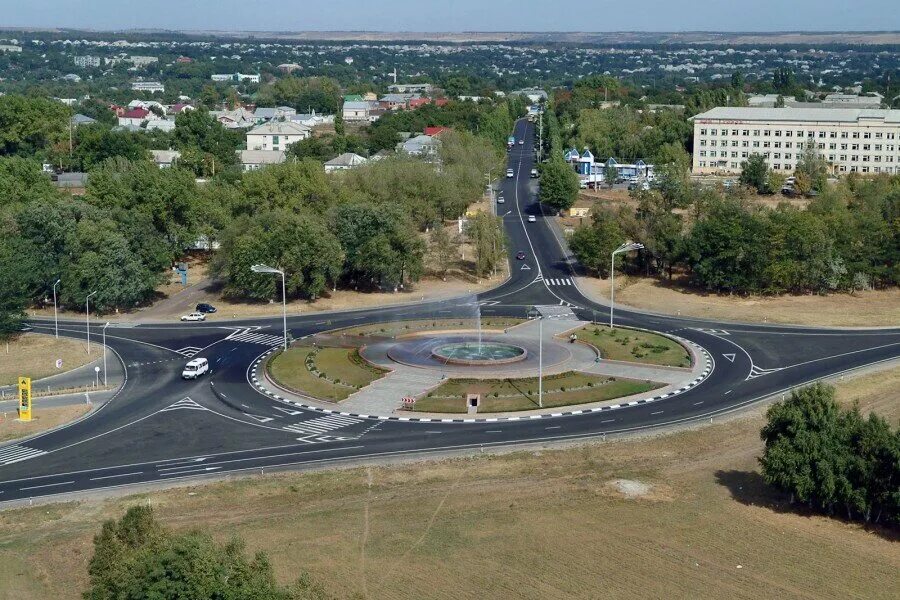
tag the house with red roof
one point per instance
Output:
(136, 116)
(435, 130)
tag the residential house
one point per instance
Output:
(161, 125)
(251, 160)
(148, 86)
(415, 103)
(269, 114)
(80, 119)
(356, 110)
(238, 118)
(395, 101)
(136, 117)
(421, 145)
(435, 130)
(288, 67)
(165, 159)
(148, 104)
(174, 109)
(276, 135)
(312, 119)
(345, 161)
(411, 88)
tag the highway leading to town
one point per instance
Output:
(159, 428)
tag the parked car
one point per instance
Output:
(532, 218)
(510, 174)
(203, 307)
(195, 368)
(194, 316)
(520, 255)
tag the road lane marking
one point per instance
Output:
(46, 485)
(659, 412)
(113, 476)
(554, 427)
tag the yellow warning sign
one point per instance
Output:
(25, 398)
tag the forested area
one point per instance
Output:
(365, 228)
(833, 460)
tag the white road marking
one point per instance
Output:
(113, 476)
(46, 485)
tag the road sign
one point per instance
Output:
(59, 363)
(24, 398)
(730, 357)
(525, 267)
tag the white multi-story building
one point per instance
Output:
(850, 140)
(235, 77)
(148, 86)
(276, 135)
(87, 61)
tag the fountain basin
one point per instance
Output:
(478, 353)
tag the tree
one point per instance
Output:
(737, 80)
(559, 184)
(136, 557)
(31, 124)
(215, 146)
(13, 293)
(811, 173)
(442, 248)
(593, 245)
(610, 174)
(486, 234)
(755, 173)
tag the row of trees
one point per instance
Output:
(847, 238)
(832, 460)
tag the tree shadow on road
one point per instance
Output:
(749, 488)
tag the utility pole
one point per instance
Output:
(541, 135)
(626, 247)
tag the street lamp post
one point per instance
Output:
(55, 317)
(104, 353)
(626, 247)
(267, 269)
(87, 317)
(541, 362)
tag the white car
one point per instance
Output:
(195, 368)
(500, 200)
(194, 316)
(521, 142)
(509, 174)
(532, 219)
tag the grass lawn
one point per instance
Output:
(635, 346)
(340, 371)
(522, 394)
(667, 516)
(41, 420)
(33, 355)
(395, 328)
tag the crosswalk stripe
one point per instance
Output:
(17, 452)
(322, 424)
(257, 338)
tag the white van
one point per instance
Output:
(195, 368)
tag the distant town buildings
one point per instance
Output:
(411, 88)
(851, 140)
(347, 160)
(10, 48)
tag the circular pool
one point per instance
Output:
(478, 353)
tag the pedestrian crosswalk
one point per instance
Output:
(18, 452)
(316, 429)
(254, 337)
(559, 281)
(184, 404)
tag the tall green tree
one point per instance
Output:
(29, 125)
(559, 184)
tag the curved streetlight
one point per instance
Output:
(626, 247)
(87, 317)
(267, 269)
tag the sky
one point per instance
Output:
(457, 15)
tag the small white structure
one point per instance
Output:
(236, 77)
(165, 159)
(148, 86)
(276, 135)
(345, 161)
(356, 110)
(420, 145)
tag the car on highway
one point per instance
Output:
(509, 174)
(194, 316)
(521, 142)
(532, 218)
(534, 173)
(500, 200)
(520, 255)
(203, 307)
(195, 368)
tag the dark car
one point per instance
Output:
(203, 307)
(520, 255)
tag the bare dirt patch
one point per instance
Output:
(861, 309)
(521, 525)
(35, 356)
(42, 419)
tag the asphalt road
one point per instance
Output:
(160, 428)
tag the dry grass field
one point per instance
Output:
(35, 356)
(672, 516)
(861, 309)
(41, 420)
